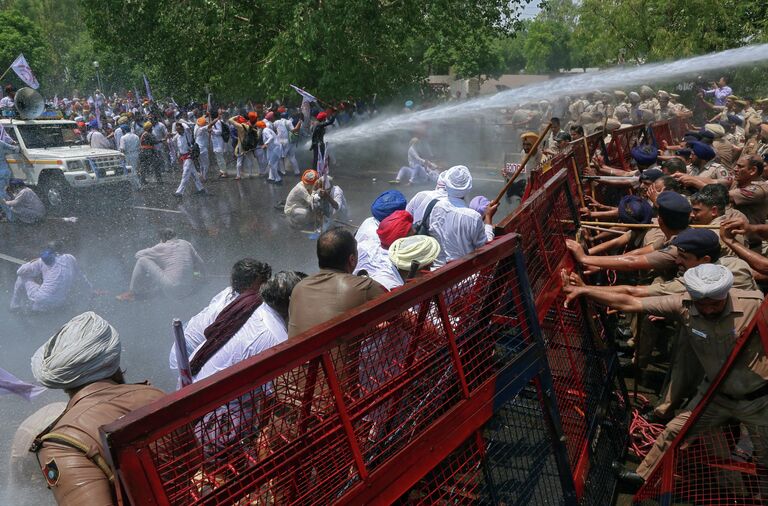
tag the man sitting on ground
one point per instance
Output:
(168, 266)
(48, 282)
(24, 206)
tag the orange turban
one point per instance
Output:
(252, 117)
(309, 176)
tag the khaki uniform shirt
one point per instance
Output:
(741, 239)
(74, 479)
(752, 200)
(712, 339)
(742, 278)
(717, 171)
(725, 151)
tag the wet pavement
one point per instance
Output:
(239, 220)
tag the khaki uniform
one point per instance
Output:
(74, 478)
(730, 214)
(711, 341)
(726, 154)
(712, 170)
(752, 200)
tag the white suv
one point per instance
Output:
(60, 165)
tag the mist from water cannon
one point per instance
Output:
(610, 79)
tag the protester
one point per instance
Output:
(184, 149)
(299, 205)
(373, 256)
(49, 282)
(458, 229)
(25, 206)
(414, 255)
(246, 274)
(246, 327)
(168, 267)
(334, 289)
(385, 204)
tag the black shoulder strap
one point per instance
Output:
(424, 224)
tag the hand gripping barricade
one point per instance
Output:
(471, 385)
(716, 460)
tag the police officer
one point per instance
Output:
(712, 316)
(703, 169)
(83, 359)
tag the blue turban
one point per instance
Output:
(93, 124)
(645, 154)
(387, 203)
(409, 103)
(732, 118)
(702, 150)
(125, 128)
(633, 209)
(651, 175)
(48, 256)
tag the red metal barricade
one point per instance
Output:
(366, 407)
(661, 132)
(471, 385)
(719, 460)
(621, 144)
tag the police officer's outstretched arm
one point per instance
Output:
(620, 301)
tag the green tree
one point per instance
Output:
(335, 48)
(19, 34)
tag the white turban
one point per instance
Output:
(86, 349)
(441, 180)
(458, 181)
(420, 248)
(708, 281)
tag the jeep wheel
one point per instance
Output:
(56, 193)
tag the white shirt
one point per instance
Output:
(283, 126)
(414, 160)
(6, 102)
(374, 259)
(298, 198)
(367, 231)
(97, 140)
(130, 144)
(117, 136)
(181, 142)
(417, 206)
(194, 331)
(459, 230)
(201, 138)
(263, 330)
(59, 280)
(177, 259)
(216, 140)
(26, 206)
(270, 138)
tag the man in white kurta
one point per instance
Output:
(24, 206)
(459, 229)
(48, 282)
(202, 136)
(184, 151)
(168, 266)
(130, 144)
(272, 146)
(219, 146)
(299, 205)
(384, 205)
(419, 203)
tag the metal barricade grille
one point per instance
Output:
(509, 461)
(719, 453)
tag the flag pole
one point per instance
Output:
(6, 71)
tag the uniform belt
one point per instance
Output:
(751, 396)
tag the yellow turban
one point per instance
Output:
(530, 135)
(201, 121)
(148, 124)
(416, 248)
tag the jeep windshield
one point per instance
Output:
(50, 135)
